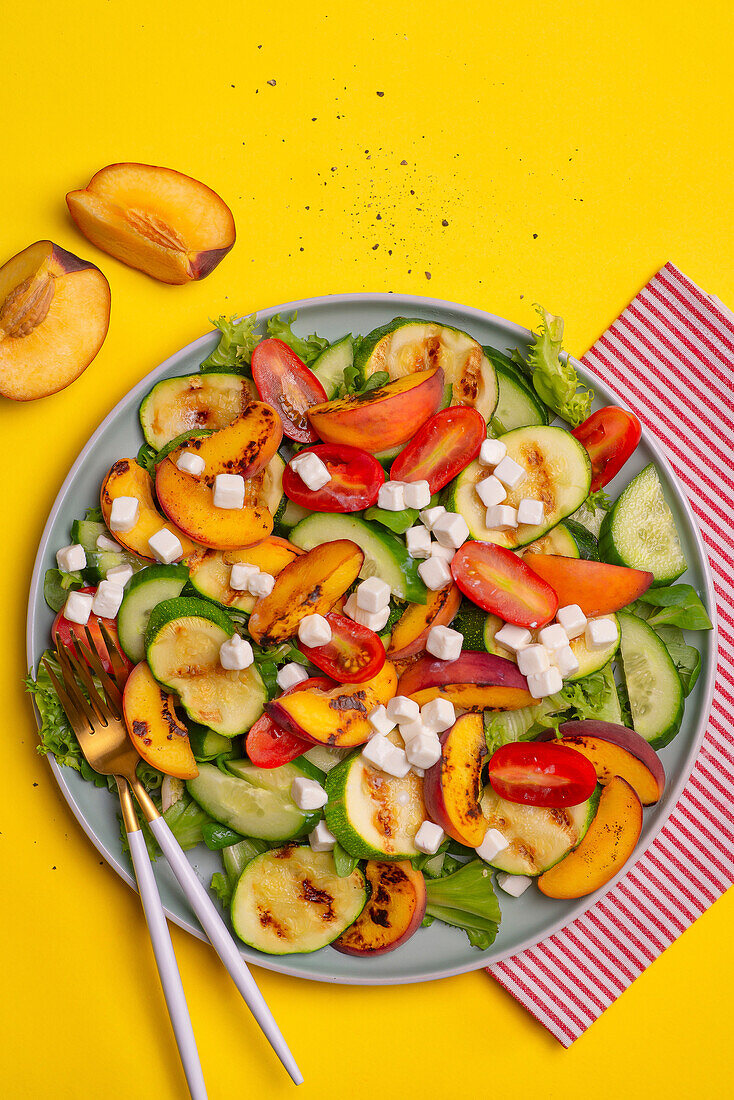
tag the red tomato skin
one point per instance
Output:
(63, 630)
(541, 774)
(356, 477)
(269, 746)
(356, 642)
(272, 362)
(442, 448)
(476, 565)
(610, 435)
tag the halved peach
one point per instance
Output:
(159, 221)
(127, 479)
(453, 786)
(54, 315)
(393, 913)
(210, 571)
(154, 729)
(380, 418)
(474, 681)
(411, 630)
(608, 844)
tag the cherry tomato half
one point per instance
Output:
(63, 629)
(356, 477)
(354, 654)
(286, 384)
(269, 746)
(610, 435)
(541, 774)
(499, 581)
(441, 449)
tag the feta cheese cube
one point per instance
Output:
(382, 754)
(423, 750)
(308, 794)
(241, 574)
(444, 643)
(235, 654)
(451, 530)
(166, 546)
(191, 463)
(492, 845)
(78, 607)
(429, 838)
(566, 661)
(402, 709)
(321, 838)
(491, 491)
(417, 494)
(107, 599)
(533, 659)
(434, 572)
(438, 715)
(373, 594)
(124, 513)
(314, 631)
(444, 553)
(513, 637)
(572, 619)
(373, 620)
(120, 574)
(391, 496)
(380, 722)
(491, 452)
(105, 543)
(418, 541)
(409, 730)
(601, 632)
(541, 684)
(553, 637)
(312, 471)
(530, 511)
(261, 584)
(501, 517)
(510, 473)
(71, 558)
(229, 491)
(290, 675)
(514, 885)
(429, 515)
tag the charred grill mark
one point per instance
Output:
(140, 729)
(349, 702)
(267, 920)
(315, 896)
(543, 489)
(283, 853)
(379, 917)
(471, 377)
(392, 874)
(120, 467)
(170, 719)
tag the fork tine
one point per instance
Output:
(119, 667)
(110, 690)
(72, 687)
(70, 708)
(83, 673)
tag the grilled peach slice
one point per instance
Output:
(127, 479)
(337, 716)
(615, 750)
(474, 681)
(210, 572)
(154, 729)
(54, 315)
(310, 585)
(394, 912)
(155, 219)
(608, 844)
(380, 418)
(411, 630)
(453, 786)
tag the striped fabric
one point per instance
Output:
(670, 357)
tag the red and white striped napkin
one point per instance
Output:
(670, 357)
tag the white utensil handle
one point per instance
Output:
(167, 966)
(223, 944)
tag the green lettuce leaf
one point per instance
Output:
(307, 348)
(236, 344)
(466, 899)
(57, 585)
(185, 819)
(677, 605)
(555, 382)
(221, 886)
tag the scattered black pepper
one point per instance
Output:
(444, 223)
(428, 274)
(535, 236)
(271, 83)
(375, 246)
(380, 94)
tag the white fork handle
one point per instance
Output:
(223, 944)
(167, 966)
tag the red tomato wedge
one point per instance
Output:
(269, 746)
(541, 774)
(356, 477)
(610, 435)
(354, 654)
(598, 588)
(441, 449)
(63, 629)
(498, 581)
(286, 384)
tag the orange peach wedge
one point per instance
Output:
(54, 314)
(155, 219)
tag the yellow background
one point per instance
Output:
(573, 148)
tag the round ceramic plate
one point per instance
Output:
(434, 952)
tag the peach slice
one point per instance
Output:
(394, 912)
(453, 786)
(153, 726)
(411, 630)
(474, 681)
(159, 221)
(126, 479)
(210, 571)
(615, 750)
(54, 315)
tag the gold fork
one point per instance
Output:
(98, 723)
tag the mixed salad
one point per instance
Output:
(390, 644)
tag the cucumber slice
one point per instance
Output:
(586, 544)
(182, 643)
(517, 405)
(385, 555)
(365, 811)
(85, 532)
(538, 838)
(324, 757)
(558, 473)
(386, 458)
(276, 779)
(291, 515)
(291, 899)
(639, 531)
(568, 540)
(330, 366)
(143, 592)
(99, 563)
(653, 684)
(252, 810)
(590, 660)
(178, 405)
(205, 744)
